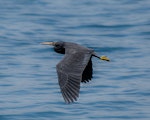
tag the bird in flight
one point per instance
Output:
(74, 68)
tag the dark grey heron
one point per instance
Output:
(74, 68)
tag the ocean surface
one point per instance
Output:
(119, 29)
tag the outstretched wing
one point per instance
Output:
(70, 70)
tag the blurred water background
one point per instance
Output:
(119, 29)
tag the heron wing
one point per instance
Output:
(70, 70)
(87, 73)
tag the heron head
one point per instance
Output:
(58, 46)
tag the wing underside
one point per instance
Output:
(87, 73)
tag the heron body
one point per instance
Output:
(74, 68)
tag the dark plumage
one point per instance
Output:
(74, 68)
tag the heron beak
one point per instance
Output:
(105, 58)
(48, 43)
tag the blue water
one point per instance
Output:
(29, 87)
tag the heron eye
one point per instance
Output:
(56, 45)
